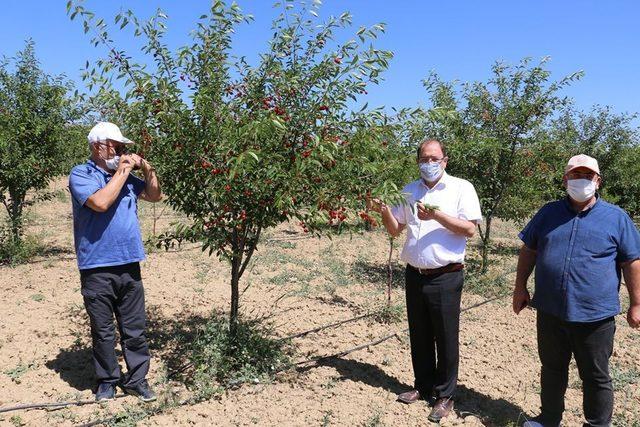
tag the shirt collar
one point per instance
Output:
(442, 182)
(568, 205)
(93, 164)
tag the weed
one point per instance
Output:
(16, 420)
(389, 314)
(326, 418)
(623, 377)
(61, 195)
(14, 252)
(18, 371)
(490, 284)
(375, 420)
(37, 297)
(221, 360)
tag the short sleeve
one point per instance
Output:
(82, 184)
(629, 241)
(529, 234)
(399, 212)
(138, 184)
(469, 204)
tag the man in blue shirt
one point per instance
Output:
(580, 246)
(109, 249)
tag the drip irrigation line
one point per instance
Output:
(321, 328)
(383, 339)
(53, 405)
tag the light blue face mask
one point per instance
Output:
(430, 172)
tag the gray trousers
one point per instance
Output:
(118, 291)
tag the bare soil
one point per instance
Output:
(296, 283)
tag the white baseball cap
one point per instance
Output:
(582, 161)
(105, 130)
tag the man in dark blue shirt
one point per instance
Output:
(578, 246)
(109, 250)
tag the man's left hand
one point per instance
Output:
(425, 213)
(138, 161)
(633, 316)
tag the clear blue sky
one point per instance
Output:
(458, 39)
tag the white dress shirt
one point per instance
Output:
(429, 244)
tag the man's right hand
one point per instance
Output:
(374, 204)
(521, 299)
(127, 163)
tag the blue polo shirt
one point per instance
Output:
(110, 238)
(577, 276)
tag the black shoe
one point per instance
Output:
(106, 391)
(141, 390)
(539, 421)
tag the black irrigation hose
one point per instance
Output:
(59, 405)
(321, 328)
(385, 338)
(53, 405)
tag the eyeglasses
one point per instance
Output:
(119, 149)
(431, 159)
(582, 175)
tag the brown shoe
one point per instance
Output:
(442, 408)
(409, 396)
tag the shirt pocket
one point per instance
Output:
(599, 244)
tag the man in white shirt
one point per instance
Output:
(440, 214)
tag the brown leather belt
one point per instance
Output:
(449, 268)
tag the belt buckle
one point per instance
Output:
(423, 271)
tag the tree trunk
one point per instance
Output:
(236, 262)
(235, 296)
(389, 273)
(486, 241)
(15, 215)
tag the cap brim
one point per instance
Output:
(122, 141)
(581, 166)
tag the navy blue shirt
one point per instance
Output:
(104, 239)
(577, 275)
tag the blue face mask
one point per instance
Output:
(430, 172)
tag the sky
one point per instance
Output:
(459, 40)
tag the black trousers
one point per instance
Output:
(433, 311)
(118, 291)
(592, 345)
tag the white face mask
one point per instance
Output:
(581, 190)
(113, 163)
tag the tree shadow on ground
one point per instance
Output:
(167, 337)
(492, 411)
(376, 273)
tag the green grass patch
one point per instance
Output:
(221, 360)
(18, 252)
(623, 377)
(18, 372)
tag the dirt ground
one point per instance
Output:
(298, 283)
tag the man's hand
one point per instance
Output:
(127, 163)
(138, 161)
(374, 204)
(521, 299)
(425, 213)
(633, 316)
